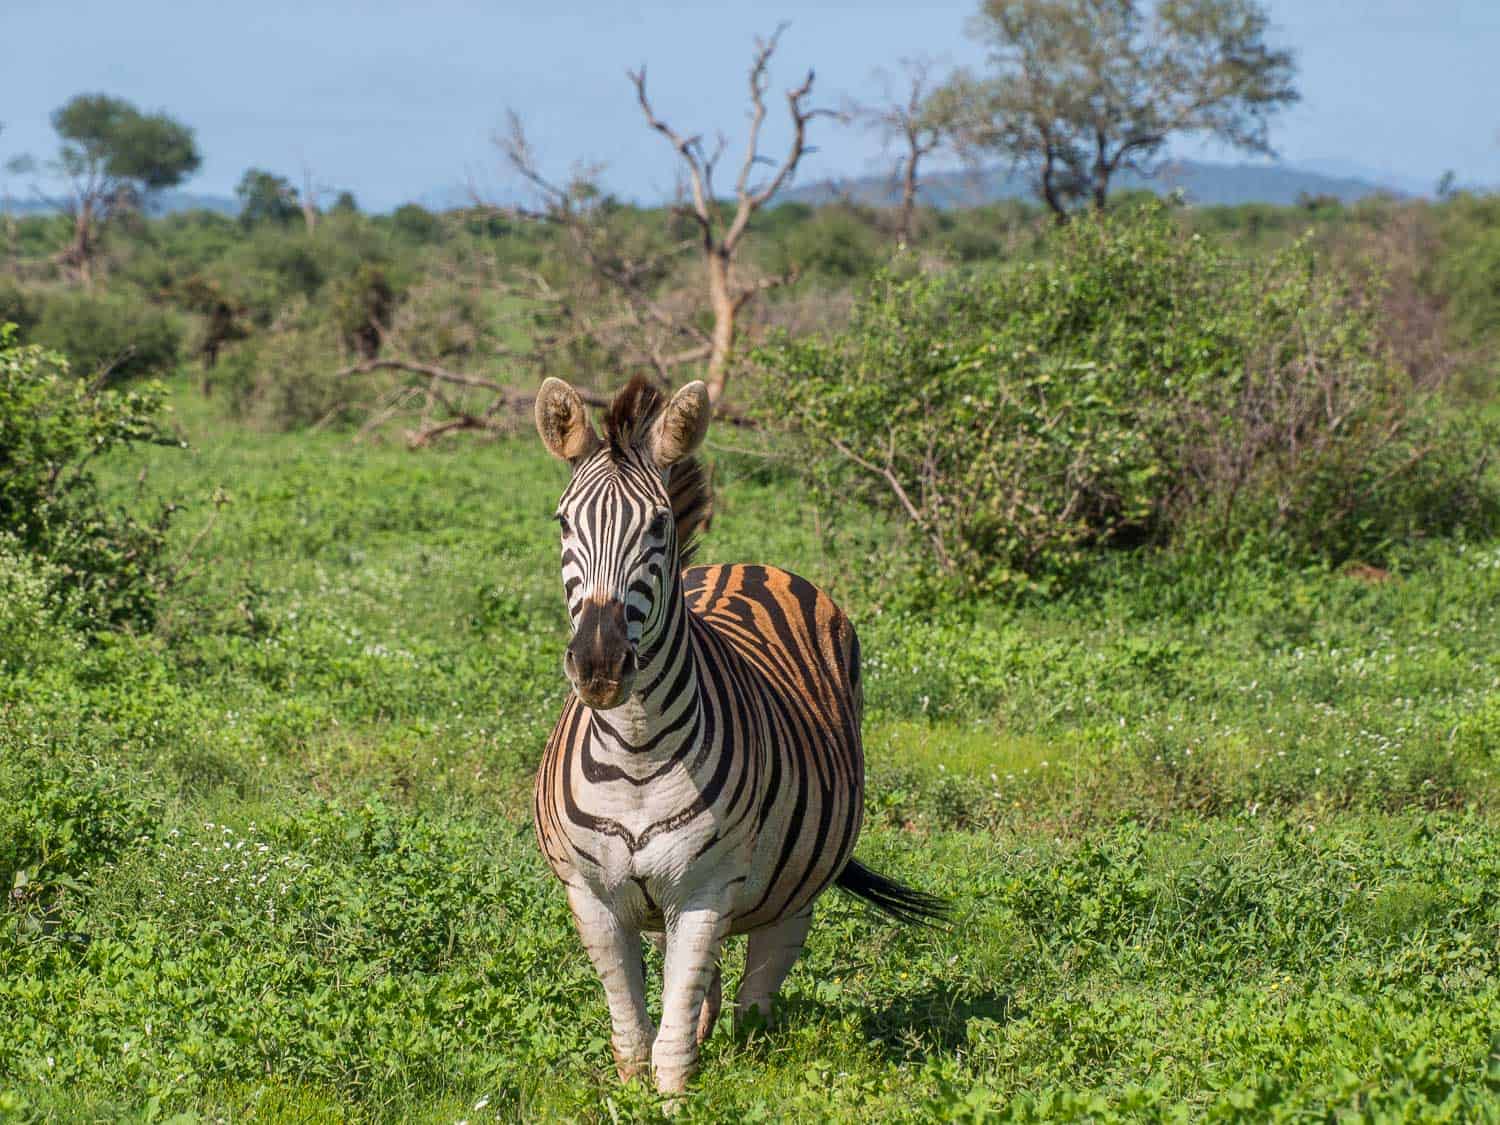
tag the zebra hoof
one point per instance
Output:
(674, 1079)
(633, 1062)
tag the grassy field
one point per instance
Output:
(1222, 837)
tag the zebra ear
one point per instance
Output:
(681, 427)
(563, 422)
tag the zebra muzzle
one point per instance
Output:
(600, 660)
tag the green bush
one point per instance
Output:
(287, 378)
(836, 243)
(104, 569)
(18, 307)
(31, 633)
(362, 305)
(62, 818)
(1469, 274)
(1135, 386)
(112, 337)
(413, 221)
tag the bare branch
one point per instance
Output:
(888, 475)
(687, 148)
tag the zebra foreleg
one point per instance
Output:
(769, 955)
(690, 985)
(713, 999)
(616, 954)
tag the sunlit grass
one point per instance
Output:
(1216, 843)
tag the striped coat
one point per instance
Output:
(706, 776)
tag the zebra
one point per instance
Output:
(706, 776)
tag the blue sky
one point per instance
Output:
(398, 101)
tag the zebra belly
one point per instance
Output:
(642, 868)
(785, 882)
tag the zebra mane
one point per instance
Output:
(627, 424)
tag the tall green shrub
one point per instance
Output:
(112, 337)
(103, 568)
(1133, 386)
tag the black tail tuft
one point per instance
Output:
(902, 903)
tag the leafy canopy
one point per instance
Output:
(107, 141)
(1083, 89)
(266, 198)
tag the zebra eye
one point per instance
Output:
(658, 528)
(562, 522)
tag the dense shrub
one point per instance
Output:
(1134, 386)
(413, 221)
(102, 568)
(291, 258)
(363, 304)
(287, 378)
(62, 818)
(18, 306)
(31, 633)
(1468, 274)
(112, 337)
(835, 243)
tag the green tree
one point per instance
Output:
(114, 157)
(1085, 89)
(266, 198)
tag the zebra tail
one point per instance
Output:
(903, 903)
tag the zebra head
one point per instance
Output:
(621, 518)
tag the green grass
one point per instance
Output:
(1222, 837)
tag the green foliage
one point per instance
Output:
(32, 631)
(1083, 90)
(18, 306)
(363, 305)
(114, 338)
(266, 198)
(413, 221)
(287, 379)
(100, 568)
(1134, 386)
(835, 243)
(1221, 832)
(62, 818)
(1468, 274)
(110, 137)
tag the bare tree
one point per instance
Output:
(1085, 89)
(614, 296)
(312, 191)
(722, 231)
(911, 116)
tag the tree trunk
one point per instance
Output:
(81, 253)
(721, 300)
(1049, 190)
(1102, 172)
(908, 198)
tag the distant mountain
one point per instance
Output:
(165, 204)
(1201, 183)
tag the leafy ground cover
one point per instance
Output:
(1221, 835)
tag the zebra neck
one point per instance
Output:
(663, 718)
